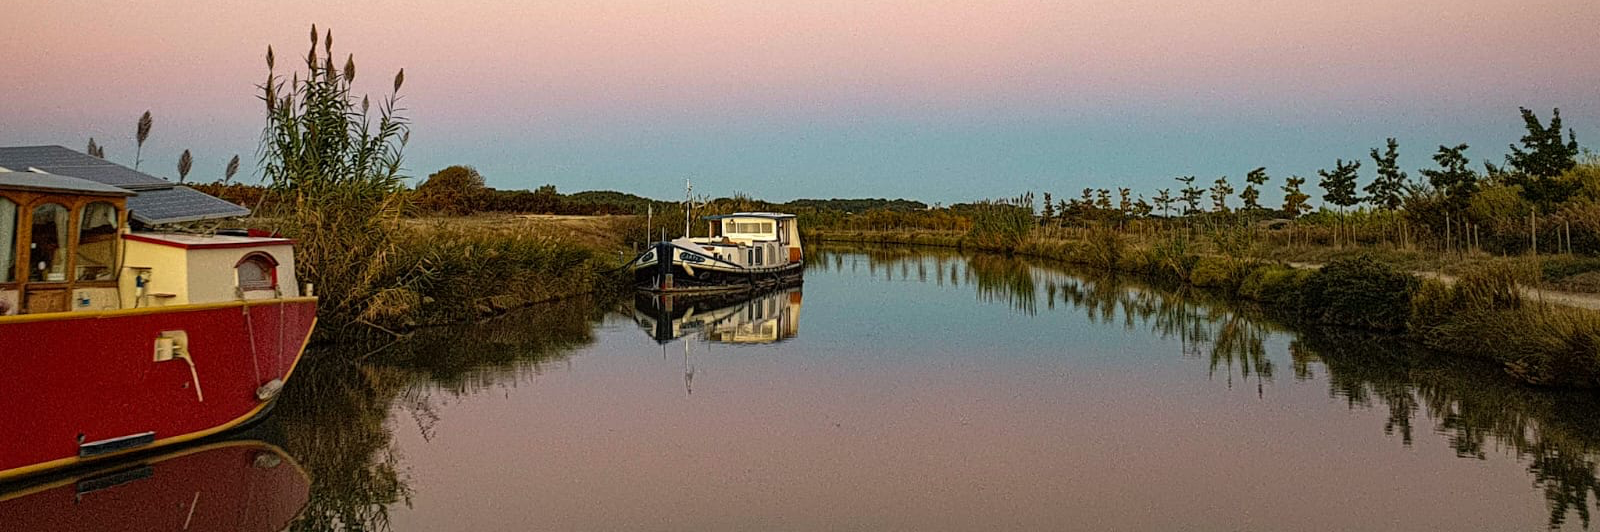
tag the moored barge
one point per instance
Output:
(745, 251)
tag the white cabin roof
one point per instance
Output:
(767, 215)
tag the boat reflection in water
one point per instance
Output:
(743, 318)
(231, 485)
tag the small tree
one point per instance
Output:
(1164, 201)
(1542, 159)
(453, 190)
(1295, 202)
(1191, 194)
(1386, 192)
(1454, 178)
(1251, 193)
(1220, 189)
(1339, 184)
(1049, 211)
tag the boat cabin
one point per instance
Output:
(754, 239)
(67, 245)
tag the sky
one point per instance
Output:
(937, 100)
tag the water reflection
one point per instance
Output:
(1476, 407)
(336, 417)
(344, 415)
(731, 318)
(232, 485)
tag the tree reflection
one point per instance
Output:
(334, 416)
(1474, 406)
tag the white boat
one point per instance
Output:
(745, 251)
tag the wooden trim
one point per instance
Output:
(210, 245)
(75, 204)
(88, 314)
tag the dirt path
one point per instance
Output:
(1557, 297)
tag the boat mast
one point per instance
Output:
(688, 206)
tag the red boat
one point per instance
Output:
(236, 486)
(123, 327)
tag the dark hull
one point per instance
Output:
(673, 277)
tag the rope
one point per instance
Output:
(250, 327)
(279, 293)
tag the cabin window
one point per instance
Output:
(97, 242)
(750, 227)
(47, 252)
(257, 271)
(8, 240)
(758, 256)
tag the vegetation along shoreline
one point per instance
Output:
(1483, 314)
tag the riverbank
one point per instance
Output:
(1483, 314)
(447, 270)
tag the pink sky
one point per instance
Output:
(513, 74)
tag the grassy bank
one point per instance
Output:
(1483, 315)
(443, 270)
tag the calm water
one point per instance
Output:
(927, 391)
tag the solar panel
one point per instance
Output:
(179, 204)
(159, 201)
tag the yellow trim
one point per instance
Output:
(74, 460)
(4, 497)
(53, 316)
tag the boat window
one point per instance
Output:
(750, 227)
(257, 271)
(97, 242)
(758, 256)
(47, 251)
(8, 240)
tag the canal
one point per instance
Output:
(905, 389)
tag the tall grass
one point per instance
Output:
(1003, 224)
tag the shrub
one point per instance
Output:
(1105, 247)
(1212, 272)
(1002, 224)
(1359, 292)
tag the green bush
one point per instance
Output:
(1359, 292)
(1256, 281)
(1563, 266)
(1212, 272)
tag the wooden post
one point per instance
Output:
(1533, 231)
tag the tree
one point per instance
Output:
(1190, 194)
(185, 161)
(1164, 201)
(1339, 185)
(141, 134)
(453, 190)
(1543, 154)
(1454, 178)
(1295, 201)
(1124, 201)
(1387, 190)
(1220, 189)
(1251, 194)
(1049, 211)
(1541, 160)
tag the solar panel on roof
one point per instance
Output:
(179, 204)
(159, 201)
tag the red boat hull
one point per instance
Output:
(237, 486)
(79, 387)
